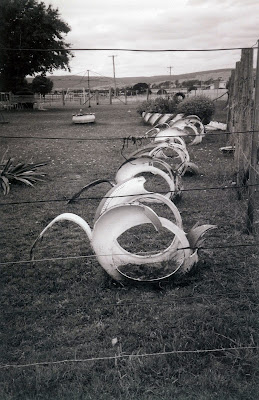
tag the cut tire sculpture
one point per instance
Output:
(116, 220)
(83, 118)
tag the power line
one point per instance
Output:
(110, 79)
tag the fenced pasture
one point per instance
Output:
(68, 330)
(104, 98)
(70, 98)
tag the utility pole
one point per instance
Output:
(113, 63)
(170, 68)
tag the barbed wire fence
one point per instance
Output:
(243, 111)
(242, 120)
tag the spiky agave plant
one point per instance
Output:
(21, 173)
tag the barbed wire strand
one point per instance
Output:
(127, 195)
(238, 245)
(128, 356)
(220, 96)
(119, 138)
(256, 170)
(123, 49)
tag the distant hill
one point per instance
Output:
(97, 82)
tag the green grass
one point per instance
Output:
(70, 309)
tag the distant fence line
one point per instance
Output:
(103, 97)
(9, 101)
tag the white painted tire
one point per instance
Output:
(83, 119)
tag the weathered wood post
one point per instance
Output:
(63, 97)
(243, 117)
(97, 97)
(254, 170)
(230, 112)
(236, 136)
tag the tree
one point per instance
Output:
(191, 83)
(140, 87)
(31, 41)
(42, 85)
(208, 81)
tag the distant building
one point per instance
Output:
(218, 84)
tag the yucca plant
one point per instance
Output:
(21, 173)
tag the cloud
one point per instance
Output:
(221, 3)
(164, 24)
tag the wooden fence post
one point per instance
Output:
(230, 112)
(243, 117)
(97, 97)
(63, 97)
(243, 123)
(247, 115)
(236, 137)
(254, 170)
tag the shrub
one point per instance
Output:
(201, 106)
(158, 105)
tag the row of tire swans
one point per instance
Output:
(128, 204)
(176, 125)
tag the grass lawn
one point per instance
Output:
(69, 309)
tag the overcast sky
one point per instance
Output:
(157, 24)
